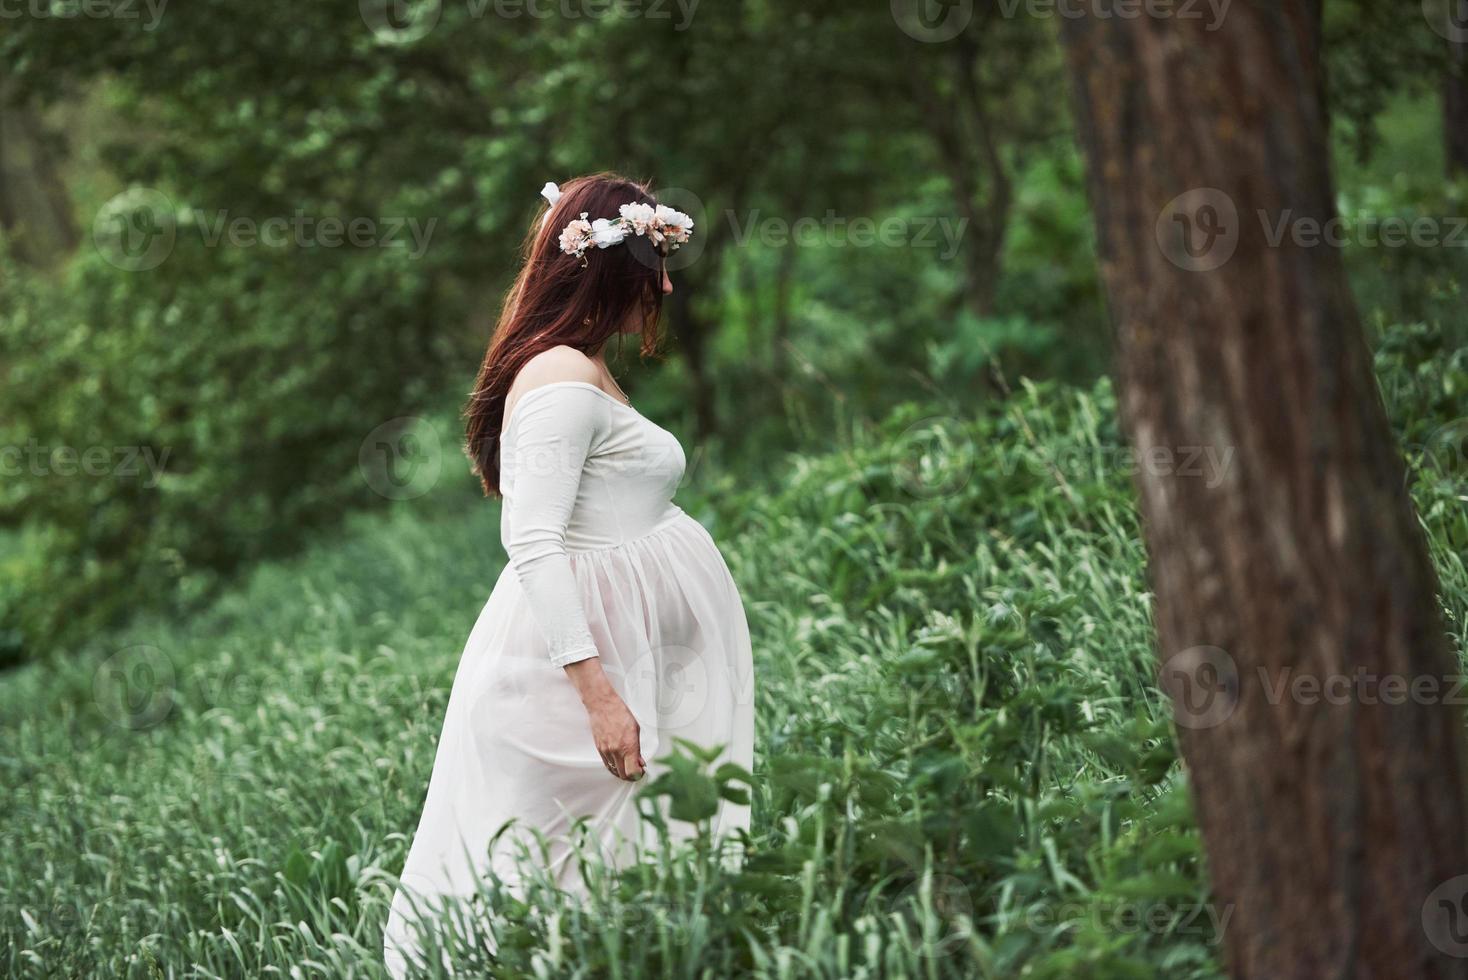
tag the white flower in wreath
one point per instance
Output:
(608, 233)
(640, 216)
(676, 225)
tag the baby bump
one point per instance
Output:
(668, 630)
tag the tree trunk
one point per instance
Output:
(780, 317)
(1334, 807)
(968, 146)
(34, 207)
(693, 334)
(1455, 91)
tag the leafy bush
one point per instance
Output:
(962, 761)
(166, 427)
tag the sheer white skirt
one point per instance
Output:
(516, 745)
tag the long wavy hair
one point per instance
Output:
(557, 300)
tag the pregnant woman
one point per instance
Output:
(616, 627)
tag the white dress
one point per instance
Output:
(602, 563)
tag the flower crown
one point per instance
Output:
(660, 224)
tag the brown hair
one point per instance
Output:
(557, 300)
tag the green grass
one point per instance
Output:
(963, 766)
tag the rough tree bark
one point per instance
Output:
(1330, 817)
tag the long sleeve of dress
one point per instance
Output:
(554, 429)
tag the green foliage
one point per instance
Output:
(1371, 60)
(222, 397)
(259, 370)
(1424, 379)
(963, 764)
(1395, 280)
(964, 767)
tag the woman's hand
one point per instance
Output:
(614, 729)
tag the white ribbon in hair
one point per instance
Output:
(552, 193)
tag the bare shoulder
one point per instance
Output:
(553, 366)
